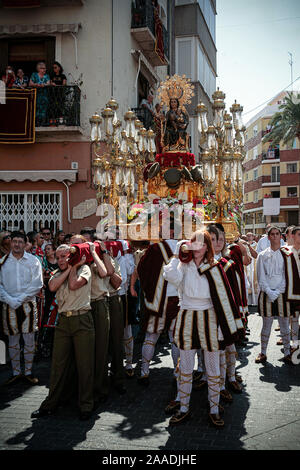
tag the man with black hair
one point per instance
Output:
(21, 280)
(272, 300)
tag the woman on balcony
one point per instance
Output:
(57, 94)
(21, 80)
(40, 79)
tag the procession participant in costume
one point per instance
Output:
(292, 265)
(264, 241)
(116, 331)
(231, 271)
(271, 275)
(74, 332)
(199, 376)
(127, 266)
(100, 269)
(251, 270)
(21, 279)
(160, 301)
(205, 320)
(289, 235)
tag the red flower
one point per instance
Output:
(155, 201)
(204, 202)
(180, 202)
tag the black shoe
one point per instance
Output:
(143, 380)
(120, 389)
(31, 379)
(41, 413)
(85, 415)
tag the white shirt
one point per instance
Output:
(171, 289)
(264, 243)
(20, 279)
(193, 289)
(127, 266)
(270, 272)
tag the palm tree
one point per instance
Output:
(285, 124)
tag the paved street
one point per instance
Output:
(265, 416)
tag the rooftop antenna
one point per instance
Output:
(291, 64)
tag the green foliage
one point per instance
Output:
(285, 124)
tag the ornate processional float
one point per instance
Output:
(147, 176)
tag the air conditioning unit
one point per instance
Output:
(74, 165)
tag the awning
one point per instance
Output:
(38, 28)
(33, 175)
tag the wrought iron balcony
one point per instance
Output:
(144, 115)
(58, 106)
(144, 30)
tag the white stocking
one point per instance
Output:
(148, 351)
(295, 330)
(222, 369)
(285, 334)
(14, 353)
(212, 364)
(265, 333)
(185, 381)
(128, 346)
(29, 349)
(231, 354)
(174, 351)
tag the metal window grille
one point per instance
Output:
(30, 211)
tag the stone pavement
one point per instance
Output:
(265, 416)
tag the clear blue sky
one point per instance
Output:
(253, 38)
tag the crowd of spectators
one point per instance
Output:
(41, 80)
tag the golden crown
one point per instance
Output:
(178, 87)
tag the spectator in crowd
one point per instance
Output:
(9, 77)
(49, 264)
(147, 105)
(59, 238)
(38, 241)
(5, 241)
(67, 238)
(57, 75)
(21, 80)
(20, 281)
(57, 93)
(40, 79)
(47, 235)
(88, 233)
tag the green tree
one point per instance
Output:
(285, 124)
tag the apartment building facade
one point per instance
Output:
(271, 175)
(107, 49)
(196, 54)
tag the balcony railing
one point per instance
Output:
(142, 18)
(271, 154)
(58, 106)
(144, 115)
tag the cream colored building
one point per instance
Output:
(271, 175)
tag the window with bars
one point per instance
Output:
(30, 211)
